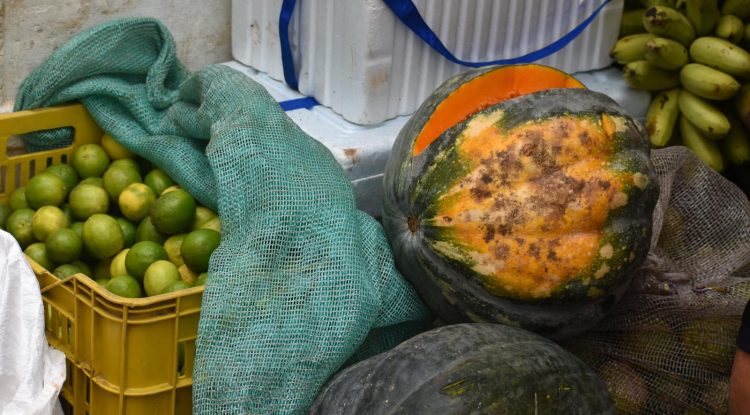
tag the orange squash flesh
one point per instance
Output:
(489, 89)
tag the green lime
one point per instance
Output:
(197, 248)
(114, 149)
(128, 231)
(160, 275)
(135, 201)
(18, 199)
(19, 225)
(116, 179)
(127, 164)
(101, 269)
(176, 286)
(64, 246)
(77, 227)
(84, 267)
(172, 246)
(213, 224)
(202, 278)
(88, 199)
(173, 212)
(65, 270)
(117, 266)
(90, 160)
(46, 220)
(102, 236)
(170, 189)
(38, 252)
(157, 180)
(125, 286)
(65, 207)
(45, 189)
(202, 215)
(66, 172)
(96, 181)
(5, 211)
(141, 255)
(102, 281)
(147, 232)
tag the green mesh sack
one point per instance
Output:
(302, 281)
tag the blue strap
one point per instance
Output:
(287, 8)
(295, 104)
(407, 12)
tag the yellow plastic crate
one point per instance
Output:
(122, 354)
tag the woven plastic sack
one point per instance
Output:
(668, 346)
(302, 281)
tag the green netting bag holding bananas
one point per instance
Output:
(667, 347)
(302, 280)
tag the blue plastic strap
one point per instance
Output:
(287, 8)
(407, 12)
(295, 104)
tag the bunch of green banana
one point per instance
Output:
(693, 55)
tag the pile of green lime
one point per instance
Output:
(136, 234)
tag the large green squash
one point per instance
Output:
(517, 200)
(467, 369)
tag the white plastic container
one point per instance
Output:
(357, 58)
(362, 150)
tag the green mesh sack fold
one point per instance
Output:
(302, 281)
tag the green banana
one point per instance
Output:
(704, 116)
(722, 55)
(632, 22)
(630, 48)
(730, 28)
(708, 82)
(736, 145)
(705, 149)
(742, 104)
(667, 22)
(739, 8)
(703, 15)
(661, 117)
(643, 75)
(666, 54)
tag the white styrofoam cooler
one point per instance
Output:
(357, 58)
(362, 150)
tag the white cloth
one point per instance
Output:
(31, 372)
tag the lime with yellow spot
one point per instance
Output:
(202, 215)
(114, 149)
(141, 256)
(135, 201)
(117, 266)
(19, 225)
(197, 248)
(173, 212)
(102, 236)
(124, 286)
(96, 181)
(38, 252)
(90, 160)
(172, 246)
(160, 275)
(186, 274)
(170, 189)
(213, 224)
(116, 179)
(18, 199)
(158, 181)
(45, 189)
(127, 164)
(46, 220)
(88, 199)
(64, 246)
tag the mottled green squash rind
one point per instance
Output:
(467, 369)
(448, 285)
